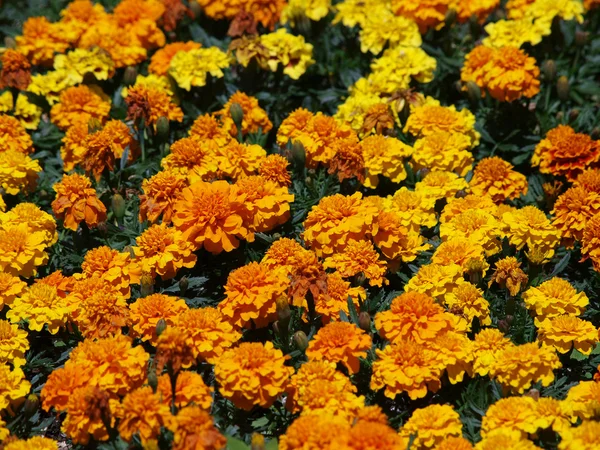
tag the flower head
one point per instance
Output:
(11, 287)
(16, 70)
(161, 191)
(508, 274)
(572, 210)
(189, 389)
(13, 135)
(192, 67)
(435, 280)
(486, 347)
(21, 250)
(426, 13)
(496, 178)
(329, 304)
(40, 39)
(78, 105)
(77, 201)
(414, 207)
(530, 226)
(195, 429)
(207, 128)
(512, 414)
(149, 104)
(443, 151)
(173, 350)
(555, 297)
(511, 74)
(254, 117)
(36, 220)
(431, 118)
(13, 344)
(566, 332)
(432, 425)
(585, 436)
(384, 156)
(356, 258)
(146, 312)
(192, 158)
(439, 184)
(18, 172)
(467, 301)
(318, 430)
(161, 59)
(239, 160)
(590, 242)
(275, 168)
(13, 385)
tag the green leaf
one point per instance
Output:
(236, 444)
(561, 265)
(578, 356)
(273, 444)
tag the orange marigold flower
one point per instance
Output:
(77, 201)
(356, 258)
(72, 150)
(347, 161)
(590, 242)
(189, 389)
(238, 160)
(454, 351)
(443, 151)
(251, 293)
(37, 442)
(478, 8)
(139, 18)
(255, 118)
(415, 209)
(161, 60)
(18, 172)
(194, 429)
(467, 301)
(209, 332)
(324, 431)
(35, 219)
(395, 240)
(439, 184)
(589, 179)
(512, 74)
(78, 105)
(415, 316)
(293, 125)
(307, 274)
(162, 250)
(505, 440)
(369, 435)
(80, 15)
(431, 425)
(426, 13)
(572, 210)
(86, 407)
(336, 220)
(148, 103)
(11, 287)
(384, 156)
(275, 168)
(430, 118)
(146, 312)
(40, 305)
(509, 275)
(267, 204)
(486, 346)
(566, 332)
(267, 12)
(566, 153)
(454, 443)
(114, 267)
(161, 191)
(13, 344)
(496, 178)
(207, 128)
(340, 342)
(584, 437)
(530, 226)
(21, 250)
(476, 225)
(40, 40)
(13, 136)
(16, 70)
(283, 253)
(172, 349)
(59, 281)
(329, 304)
(553, 298)
(509, 415)
(406, 366)
(474, 68)
(210, 215)
(192, 158)
(435, 280)
(252, 374)
(517, 367)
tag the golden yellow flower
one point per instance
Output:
(321, 430)
(13, 385)
(86, 407)
(194, 427)
(427, 13)
(80, 63)
(281, 49)
(385, 28)
(22, 251)
(189, 389)
(173, 350)
(454, 351)
(192, 158)
(512, 414)
(13, 344)
(553, 414)
(583, 400)
(72, 150)
(440, 184)
(430, 118)
(114, 267)
(384, 156)
(37, 442)
(359, 257)
(192, 67)
(467, 301)
(146, 312)
(36, 220)
(488, 343)
(585, 437)
(77, 201)
(431, 425)
(590, 242)
(18, 172)
(589, 179)
(238, 160)
(207, 128)
(496, 178)
(415, 208)
(512, 74)
(13, 136)
(515, 33)
(566, 332)
(454, 443)
(553, 298)
(443, 151)
(275, 168)
(395, 241)
(78, 105)
(458, 205)
(435, 280)
(252, 374)
(11, 287)
(329, 304)
(530, 226)
(512, 441)
(161, 59)
(40, 39)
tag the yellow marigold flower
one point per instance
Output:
(554, 298)
(406, 366)
(13, 344)
(210, 215)
(161, 59)
(516, 8)
(209, 332)
(50, 85)
(530, 226)
(443, 151)
(189, 389)
(414, 208)
(143, 413)
(145, 313)
(395, 241)
(36, 220)
(321, 430)
(454, 351)
(431, 425)
(340, 342)
(275, 168)
(293, 53)
(585, 437)
(193, 159)
(566, 332)
(384, 156)
(251, 293)
(517, 367)
(254, 119)
(431, 118)
(77, 201)
(467, 301)
(193, 427)
(18, 172)
(192, 67)
(81, 62)
(590, 241)
(21, 250)
(161, 191)
(511, 74)
(440, 184)
(207, 128)
(372, 413)
(564, 152)
(496, 178)
(252, 374)
(13, 136)
(37, 442)
(13, 385)
(150, 103)
(583, 400)
(488, 343)
(359, 257)
(509, 441)
(162, 250)
(161, 83)
(547, 10)
(355, 110)
(427, 13)
(268, 205)
(238, 160)
(509, 275)
(78, 15)
(454, 443)
(435, 280)
(415, 316)
(28, 114)
(572, 210)
(11, 287)
(461, 251)
(456, 206)
(336, 220)
(515, 33)
(552, 414)
(355, 12)
(313, 9)
(512, 414)
(78, 105)
(476, 225)
(383, 28)
(40, 40)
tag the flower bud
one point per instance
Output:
(117, 203)
(237, 114)
(450, 18)
(9, 42)
(31, 405)
(461, 194)
(595, 134)
(152, 378)
(276, 327)
(563, 88)
(473, 92)
(183, 286)
(161, 325)
(581, 38)
(301, 340)
(130, 76)
(422, 173)
(283, 310)
(298, 153)
(162, 128)
(258, 442)
(146, 284)
(549, 69)
(534, 394)
(195, 9)
(503, 326)
(573, 115)
(364, 321)
(129, 249)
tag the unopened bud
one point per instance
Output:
(461, 194)
(102, 228)
(573, 115)
(9, 42)
(183, 286)
(146, 284)
(298, 153)
(364, 321)
(276, 327)
(162, 128)
(31, 405)
(117, 203)
(283, 310)
(560, 115)
(450, 18)
(503, 326)
(563, 88)
(534, 394)
(129, 249)
(130, 76)
(301, 340)
(422, 173)
(581, 38)
(473, 92)
(595, 134)
(161, 326)
(195, 8)
(258, 442)
(152, 378)
(237, 114)
(549, 69)
(509, 319)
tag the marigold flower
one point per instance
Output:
(441, 184)
(511, 74)
(18, 172)
(36, 220)
(146, 312)
(78, 105)
(454, 351)
(467, 301)
(210, 215)
(11, 287)
(13, 344)
(589, 179)
(383, 28)
(431, 425)
(395, 240)
(494, 177)
(37, 442)
(40, 40)
(13, 385)
(161, 191)
(192, 67)
(530, 226)
(13, 136)
(29, 114)
(139, 18)
(547, 10)
(80, 63)
(461, 251)
(406, 366)
(252, 374)
(161, 59)
(512, 414)
(585, 436)
(509, 275)
(517, 367)
(454, 443)
(143, 412)
(328, 305)
(193, 159)
(348, 161)
(254, 118)
(583, 400)
(293, 53)
(21, 250)
(443, 151)
(435, 280)
(77, 201)
(413, 316)
(149, 103)
(564, 152)
(430, 118)
(173, 350)
(552, 414)
(86, 407)
(378, 118)
(340, 342)
(275, 168)
(566, 332)
(365, 434)
(194, 428)
(282, 253)
(415, 209)
(572, 210)
(16, 70)
(488, 343)
(384, 156)
(238, 160)
(189, 389)
(456, 206)
(359, 257)
(427, 13)
(72, 150)
(505, 440)
(590, 241)
(553, 298)
(251, 293)
(317, 430)
(515, 33)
